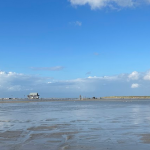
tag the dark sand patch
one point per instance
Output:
(10, 134)
(51, 119)
(115, 122)
(54, 141)
(79, 120)
(53, 136)
(65, 147)
(96, 128)
(5, 120)
(35, 136)
(145, 138)
(63, 133)
(41, 128)
(121, 141)
(65, 124)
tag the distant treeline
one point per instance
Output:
(128, 97)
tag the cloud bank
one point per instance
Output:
(17, 85)
(97, 4)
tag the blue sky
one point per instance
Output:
(52, 43)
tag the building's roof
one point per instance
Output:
(34, 94)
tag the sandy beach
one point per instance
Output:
(75, 125)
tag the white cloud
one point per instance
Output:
(104, 77)
(78, 23)
(18, 84)
(134, 75)
(134, 85)
(12, 81)
(147, 76)
(108, 3)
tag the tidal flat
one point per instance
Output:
(75, 125)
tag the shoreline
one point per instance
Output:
(74, 100)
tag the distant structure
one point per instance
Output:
(33, 96)
(80, 97)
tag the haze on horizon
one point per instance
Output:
(72, 47)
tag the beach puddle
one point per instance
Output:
(91, 125)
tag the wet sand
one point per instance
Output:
(75, 125)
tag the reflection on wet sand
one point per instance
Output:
(98, 125)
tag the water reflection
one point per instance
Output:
(74, 125)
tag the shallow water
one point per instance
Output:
(75, 125)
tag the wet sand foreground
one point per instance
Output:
(75, 125)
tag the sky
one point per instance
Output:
(64, 48)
